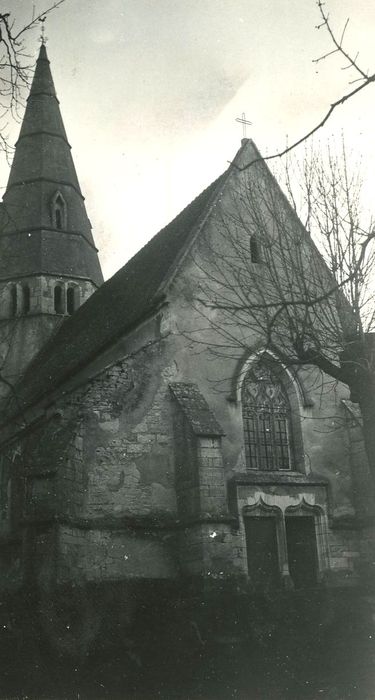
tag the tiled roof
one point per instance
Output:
(196, 409)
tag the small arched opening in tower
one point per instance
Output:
(25, 298)
(13, 300)
(59, 211)
(58, 299)
(72, 299)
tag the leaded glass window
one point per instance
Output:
(266, 416)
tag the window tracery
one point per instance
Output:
(266, 417)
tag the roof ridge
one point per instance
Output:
(222, 181)
(180, 257)
(202, 217)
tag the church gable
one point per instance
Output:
(252, 249)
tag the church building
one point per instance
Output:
(139, 451)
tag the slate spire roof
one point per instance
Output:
(30, 243)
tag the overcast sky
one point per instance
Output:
(149, 91)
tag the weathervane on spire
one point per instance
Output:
(43, 38)
(244, 123)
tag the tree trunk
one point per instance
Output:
(358, 366)
(366, 401)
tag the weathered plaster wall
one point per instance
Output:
(116, 484)
(210, 351)
(116, 453)
(319, 412)
(101, 459)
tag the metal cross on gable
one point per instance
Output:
(242, 120)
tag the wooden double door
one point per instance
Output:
(263, 555)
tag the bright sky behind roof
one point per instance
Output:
(149, 91)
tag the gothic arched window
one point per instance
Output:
(267, 419)
(58, 211)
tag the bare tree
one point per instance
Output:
(262, 276)
(359, 77)
(16, 67)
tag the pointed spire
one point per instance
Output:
(42, 121)
(42, 81)
(41, 175)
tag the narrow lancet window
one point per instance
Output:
(58, 299)
(13, 300)
(59, 211)
(71, 300)
(58, 218)
(25, 298)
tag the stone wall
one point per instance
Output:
(121, 466)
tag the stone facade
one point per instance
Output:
(142, 472)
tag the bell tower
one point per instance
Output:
(49, 264)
